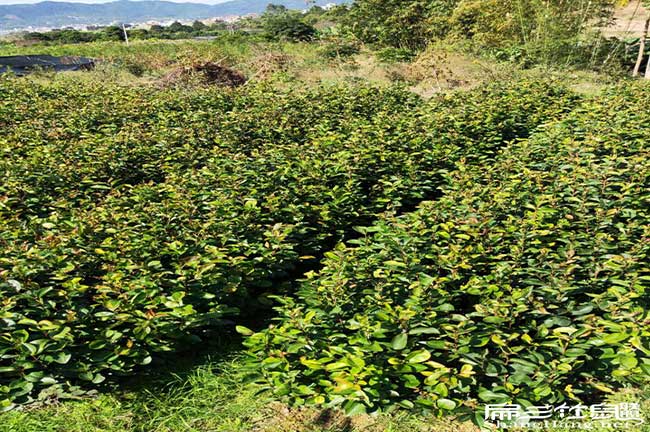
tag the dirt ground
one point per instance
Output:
(629, 20)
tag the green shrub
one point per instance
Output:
(133, 221)
(525, 283)
(399, 23)
(339, 49)
(288, 25)
(135, 68)
(394, 55)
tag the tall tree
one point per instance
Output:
(541, 24)
(285, 24)
(400, 23)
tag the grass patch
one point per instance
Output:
(210, 397)
(214, 398)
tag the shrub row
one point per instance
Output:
(525, 283)
(132, 220)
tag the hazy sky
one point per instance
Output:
(6, 2)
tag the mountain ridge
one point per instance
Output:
(49, 14)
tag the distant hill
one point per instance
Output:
(60, 14)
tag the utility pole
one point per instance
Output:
(126, 35)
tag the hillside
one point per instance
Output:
(59, 14)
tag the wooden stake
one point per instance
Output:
(647, 70)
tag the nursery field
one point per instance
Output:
(335, 256)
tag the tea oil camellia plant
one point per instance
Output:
(133, 221)
(525, 283)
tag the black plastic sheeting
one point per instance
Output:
(22, 65)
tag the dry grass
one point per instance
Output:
(437, 70)
(265, 65)
(277, 417)
(431, 72)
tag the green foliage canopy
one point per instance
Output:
(133, 221)
(536, 31)
(403, 24)
(525, 283)
(282, 24)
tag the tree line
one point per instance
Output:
(529, 32)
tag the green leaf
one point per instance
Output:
(490, 396)
(311, 364)
(354, 408)
(244, 330)
(628, 361)
(615, 338)
(63, 358)
(336, 366)
(645, 368)
(418, 356)
(399, 342)
(406, 404)
(446, 404)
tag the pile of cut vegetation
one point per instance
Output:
(207, 74)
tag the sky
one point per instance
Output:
(7, 2)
